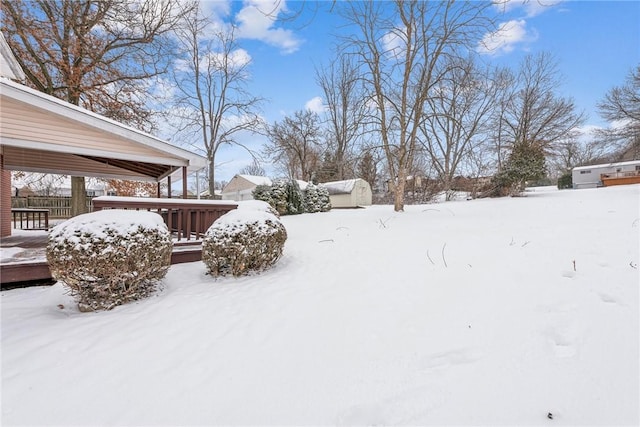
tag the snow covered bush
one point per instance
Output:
(243, 241)
(258, 205)
(295, 198)
(316, 199)
(284, 196)
(110, 257)
(263, 193)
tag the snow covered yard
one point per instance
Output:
(487, 312)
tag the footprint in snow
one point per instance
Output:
(562, 343)
(607, 298)
(450, 358)
(408, 407)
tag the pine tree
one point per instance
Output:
(526, 163)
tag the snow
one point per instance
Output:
(340, 187)
(302, 184)
(97, 224)
(239, 218)
(152, 200)
(492, 312)
(254, 205)
(257, 180)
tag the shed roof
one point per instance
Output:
(340, 187)
(607, 165)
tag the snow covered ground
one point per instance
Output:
(496, 312)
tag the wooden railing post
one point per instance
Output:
(191, 216)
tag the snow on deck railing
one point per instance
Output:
(186, 217)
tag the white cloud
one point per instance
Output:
(236, 59)
(315, 105)
(505, 38)
(217, 9)
(256, 21)
(394, 44)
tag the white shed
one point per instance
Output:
(351, 193)
(241, 187)
(590, 176)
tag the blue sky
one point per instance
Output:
(596, 44)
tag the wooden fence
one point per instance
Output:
(59, 206)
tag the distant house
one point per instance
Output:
(593, 176)
(351, 193)
(241, 187)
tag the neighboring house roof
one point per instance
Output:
(340, 187)
(607, 165)
(257, 180)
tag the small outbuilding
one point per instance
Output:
(350, 193)
(241, 187)
(593, 176)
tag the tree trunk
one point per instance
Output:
(398, 204)
(212, 182)
(78, 196)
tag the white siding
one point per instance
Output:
(589, 176)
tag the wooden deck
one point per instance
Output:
(188, 220)
(620, 178)
(29, 265)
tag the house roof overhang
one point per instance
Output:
(40, 133)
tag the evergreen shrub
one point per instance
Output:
(284, 196)
(316, 199)
(565, 181)
(243, 241)
(110, 257)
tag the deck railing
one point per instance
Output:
(185, 217)
(620, 178)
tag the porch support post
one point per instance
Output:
(198, 183)
(184, 182)
(5, 199)
(158, 193)
(169, 186)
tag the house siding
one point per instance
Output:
(23, 122)
(589, 176)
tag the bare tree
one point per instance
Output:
(456, 115)
(253, 169)
(295, 144)
(367, 169)
(497, 134)
(214, 105)
(401, 48)
(346, 109)
(533, 112)
(96, 54)
(576, 150)
(622, 106)
(533, 121)
(41, 183)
